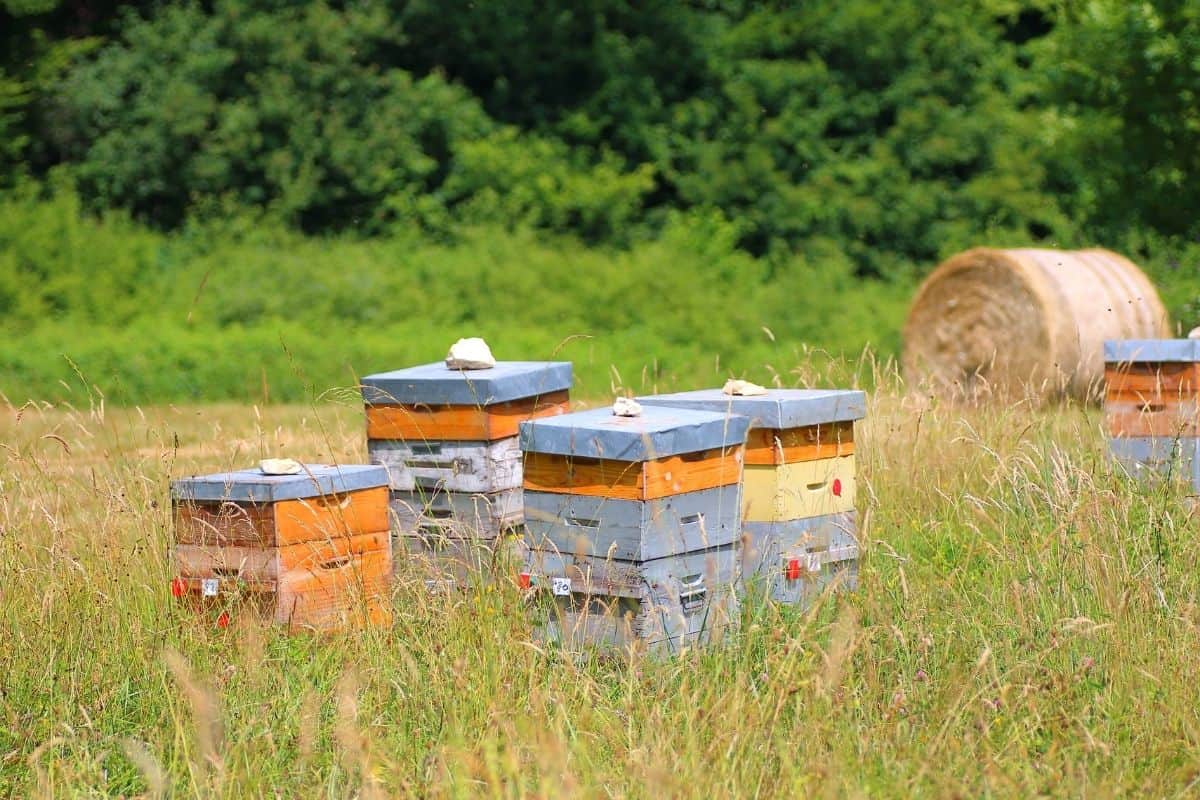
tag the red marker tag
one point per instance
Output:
(792, 570)
(524, 580)
(837, 487)
(178, 587)
(223, 620)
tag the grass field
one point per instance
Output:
(1027, 623)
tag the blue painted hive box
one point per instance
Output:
(632, 525)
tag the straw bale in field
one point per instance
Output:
(1025, 323)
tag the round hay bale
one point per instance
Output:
(1025, 323)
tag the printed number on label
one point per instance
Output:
(813, 562)
(560, 587)
(208, 587)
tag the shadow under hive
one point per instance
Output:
(632, 525)
(448, 438)
(798, 520)
(1152, 407)
(312, 550)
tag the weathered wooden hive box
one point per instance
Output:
(1152, 406)
(798, 518)
(312, 548)
(632, 524)
(449, 439)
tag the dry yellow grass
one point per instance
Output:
(1026, 624)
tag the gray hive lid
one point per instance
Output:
(252, 486)
(778, 408)
(1134, 350)
(437, 384)
(657, 433)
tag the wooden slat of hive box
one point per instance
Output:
(257, 565)
(661, 605)
(790, 445)
(482, 515)
(632, 530)
(1164, 419)
(346, 591)
(633, 480)
(451, 561)
(1158, 382)
(793, 562)
(282, 523)
(453, 466)
(763, 543)
(1161, 456)
(799, 490)
(423, 422)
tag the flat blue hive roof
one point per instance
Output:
(778, 408)
(1134, 350)
(252, 486)
(659, 432)
(437, 384)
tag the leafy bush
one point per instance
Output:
(220, 315)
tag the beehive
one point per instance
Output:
(1152, 406)
(313, 549)
(632, 525)
(448, 438)
(798, 517)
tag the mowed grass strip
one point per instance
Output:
(1026, 624)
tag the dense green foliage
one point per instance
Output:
(234, 313)
(893, 128)
(668, 178)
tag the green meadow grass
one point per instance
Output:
(1027, 624)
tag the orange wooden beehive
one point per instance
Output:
(312, 549)
(1152, 406)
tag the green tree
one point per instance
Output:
(1127, 76)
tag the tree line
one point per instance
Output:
(891, 129)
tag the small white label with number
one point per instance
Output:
(560, 587)
(208, 587)
(813, 562)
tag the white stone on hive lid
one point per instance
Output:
(743, 388)
(472, 353)
(280, 466)
(626, 407)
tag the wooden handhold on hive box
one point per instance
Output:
(455, 430)
(312, 548)
(632, 523)
(1152, 406)
(799, 483)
